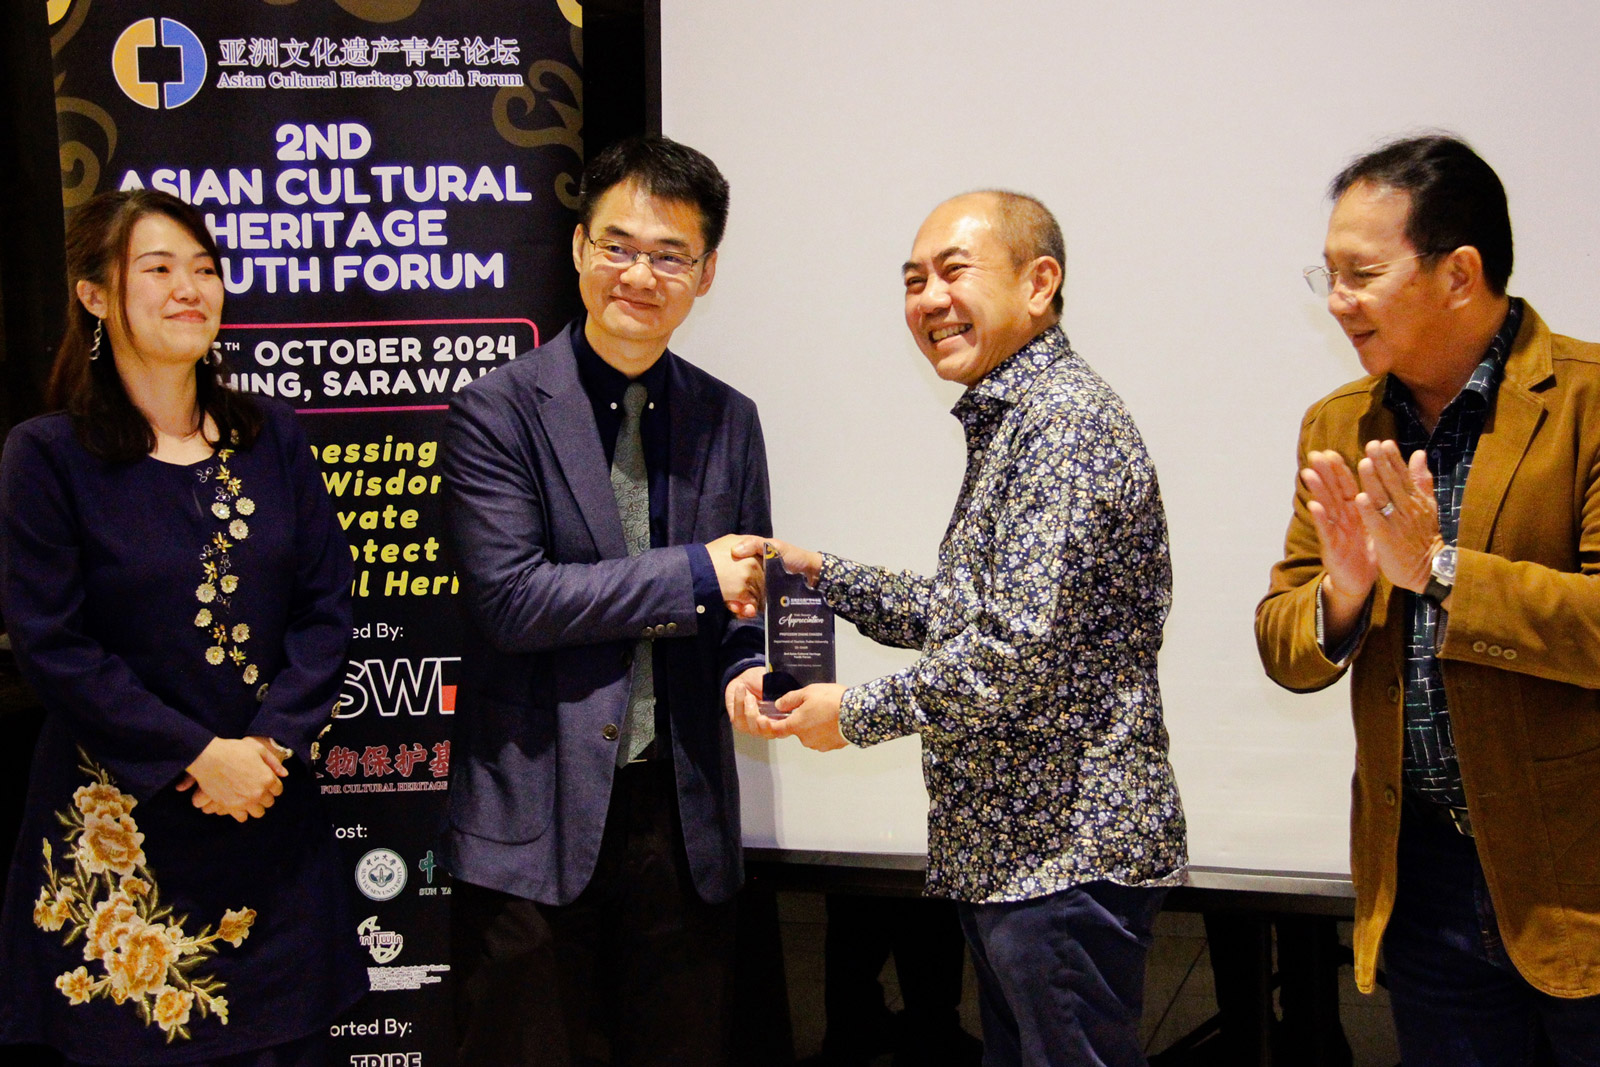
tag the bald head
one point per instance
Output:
(974, 292)
(1024, 225)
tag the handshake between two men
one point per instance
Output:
(811, 712)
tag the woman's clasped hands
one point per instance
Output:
(240, 777)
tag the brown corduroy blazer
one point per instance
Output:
(1521, 659)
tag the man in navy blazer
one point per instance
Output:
(594, 809)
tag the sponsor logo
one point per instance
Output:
(392, 686)
(798, 601)
(139, 53)
(381, 874)
(384, 945)
(386, 1059)
(426, 865)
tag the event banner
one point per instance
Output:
(392, 184)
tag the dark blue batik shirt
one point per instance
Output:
(1043, 745)
(1430, 769)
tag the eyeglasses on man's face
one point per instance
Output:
(1324, 281)
(666, 263)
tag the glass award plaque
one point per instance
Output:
(800, 647)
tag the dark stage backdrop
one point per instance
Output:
(392, 183)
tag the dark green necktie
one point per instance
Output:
(631, 484)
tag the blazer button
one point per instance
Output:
(1479, 646)
(1509, 654)
(1495, 650)
(1394, 693)
(1388, 791)
(609, 731)
(672, 627)
(649, 631)
(699, 609)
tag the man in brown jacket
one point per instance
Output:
(1446, 544)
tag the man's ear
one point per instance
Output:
(93, 298)
(1044, 281)
(1462, 271)
(579, 237)
(708, 271)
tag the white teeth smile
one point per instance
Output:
(948, 331)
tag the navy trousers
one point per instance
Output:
(1457, 998)
(1061, 977)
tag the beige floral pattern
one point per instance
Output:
(76, 985)
(235, 925)
(109, 899)
(172, 1008)
(216, 563)
(1036, 695)
(110, 843)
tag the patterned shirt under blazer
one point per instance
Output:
(1044, 750)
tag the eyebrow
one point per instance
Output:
(669, 242)
(939, 257)
(164, 254)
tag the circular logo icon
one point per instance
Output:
(139, 43)
(381, 874)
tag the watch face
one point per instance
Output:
(1444, 564)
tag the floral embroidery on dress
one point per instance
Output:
(215, 593)
(109, 899)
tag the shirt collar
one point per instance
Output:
(604, 383)
(1486, 375)
(1010, 380)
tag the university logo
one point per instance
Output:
(381, 874)
(164, 73)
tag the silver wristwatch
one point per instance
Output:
(1443, 578)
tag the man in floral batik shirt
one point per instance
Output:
(1054, 818)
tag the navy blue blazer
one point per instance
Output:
(554, 608)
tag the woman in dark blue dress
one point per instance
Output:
(177, 592)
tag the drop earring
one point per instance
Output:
(94, 349)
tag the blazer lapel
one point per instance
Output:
(688, 443)
(570, 431)
(1517, 415)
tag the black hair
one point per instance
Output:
(104, 420)
(665, 169)
(1456, 199)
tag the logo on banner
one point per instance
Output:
(401, 685)
(381, 874)
(137, 52)
(384, 945)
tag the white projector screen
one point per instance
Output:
(1186, 149)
